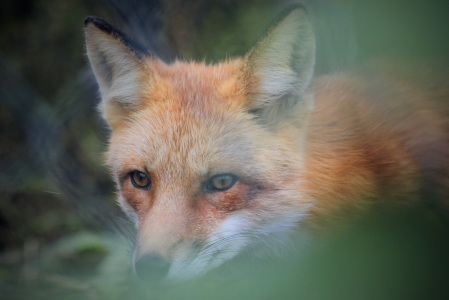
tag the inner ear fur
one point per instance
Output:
(118, 67)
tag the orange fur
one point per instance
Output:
(303, 152)
(361, 146)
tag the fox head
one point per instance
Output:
(207, 158)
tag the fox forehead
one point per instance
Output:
(195, 86)
(158, 140)
(192, 115)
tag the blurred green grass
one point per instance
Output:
(384, 255)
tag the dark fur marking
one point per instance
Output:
(107, 70)
(255, 112)
(104, 26)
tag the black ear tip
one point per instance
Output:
(107, 28)
(99, 23)
(90, 19)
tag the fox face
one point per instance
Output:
(199, 183)
(217, 152)
(207, 159)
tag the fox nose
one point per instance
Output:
(152, 267)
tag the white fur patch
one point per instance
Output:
(223, 245)
(271, 237)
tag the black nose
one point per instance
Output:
(152, 267)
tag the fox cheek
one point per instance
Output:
(136, 199)
(129, 210)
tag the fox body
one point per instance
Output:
(212, 161)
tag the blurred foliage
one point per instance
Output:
(52, 180)
(239, 24)
(60, 232)
(41, 57)
(413, 29)
(43, 41)
(385, 255)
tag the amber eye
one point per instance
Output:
(221, 182)
(140, 180)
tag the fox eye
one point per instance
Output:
(221, 182)
(140, 180)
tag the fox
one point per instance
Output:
(212, 161)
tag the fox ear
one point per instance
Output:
(277, 72)
(118, 68)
